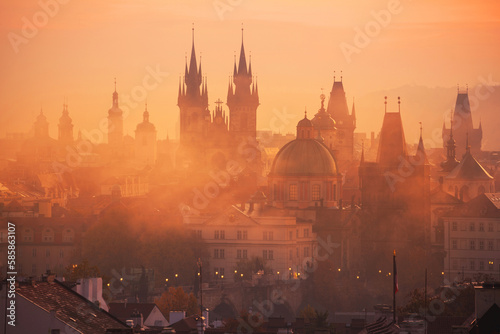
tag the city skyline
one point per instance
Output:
(81, 48)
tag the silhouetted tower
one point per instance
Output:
(193, 103)
(243, 99)
(41, 126)
(451, 162)
(65, 127)
(463, 126)
(344, 122)
(145, 140)
(115, 125)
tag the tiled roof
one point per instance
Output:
(69, 307)
(469, 169)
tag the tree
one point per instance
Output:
(175, 299)
(81, 270)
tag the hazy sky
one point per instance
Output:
(79, 47)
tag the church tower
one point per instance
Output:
(193, 104)
(463, 127)
(65, 127)
(243, 99)
(145, 140)
(344, 122)
(115, 125)
(41, 126)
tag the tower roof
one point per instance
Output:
(392, 144)
(469, 169)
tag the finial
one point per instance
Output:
(241, 32)
(420, 129)
(305, 112)
(399, 104)
(340, 76)
(322, 98)
(192, 30)
(146, 105)
(385, 103)
(115, 84)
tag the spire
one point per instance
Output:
(235, 71)
(399, 104)
(420, 149)
(145, 115)
(250, 65)
(115, 97)
(192, 62)
(242, 65)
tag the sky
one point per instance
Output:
(53, 51)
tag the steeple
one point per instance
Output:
(65, 126)
(115, 97)
(421, 157)
(451, 161)
(145, 115)
(193, 75)
(242, 65)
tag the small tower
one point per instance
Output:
(145, 140)
(115, 125)
(243, 99)
(344, 122)
(41, 126)
(65, 127)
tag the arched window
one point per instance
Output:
(47, 235)
(28, 235)
(68, 235)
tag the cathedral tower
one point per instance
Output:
(243, 100)
(145, 140)
(193, 103)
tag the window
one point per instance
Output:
(216, 234)
(221, 253)
(245, 235)
(454, 244)
(28, 235)
(238, 235)
(454, 226)
(216, 253)
(316, 192)
(472, 227)
(244, 254)
(490, 227)
(306, 233)
(198, 234)
(490, 245)
(48, 235)
(270, 234)
(223, 234)
(264, 254)
(271, 255)
(472, 244)
(481, 245)
(264, 235)
(68, 235)
(481, 227)
(292, 192)
(238, 253)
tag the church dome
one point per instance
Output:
(323, 121)
(305, 122)
(304, 157)
(146, 127)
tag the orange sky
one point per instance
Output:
(295, 45)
